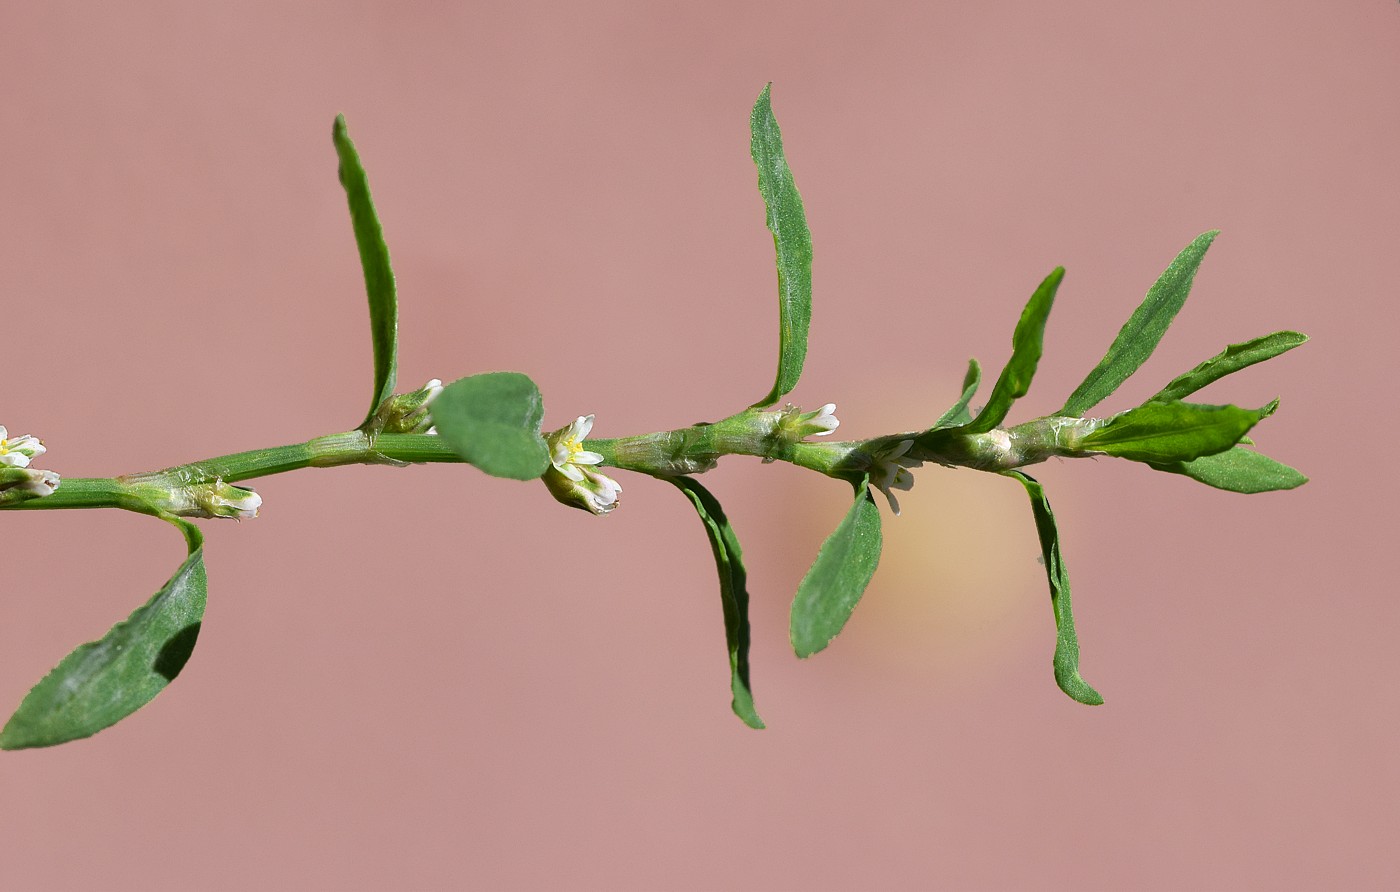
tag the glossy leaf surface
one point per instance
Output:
(1026, 346)
(1066, 660)
(374, 259)
(1143, 331)
(733, 592)
(793, 243)
(493, 421)
(1173, 432)
(833, 586)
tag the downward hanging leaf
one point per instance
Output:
(793, 243)
(493, 422)
(833, 586)
(1026, 346)
(104, 681)
(733, 593)
(1066, 642)
(1227, 362)
(1143, 330)
(374, 258)
(1237, 470)
(1173, 432)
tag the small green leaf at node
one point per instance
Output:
(374, 259)
(833, 586)
(1066, 659)
(1172, 432)
(1227, 362)
(1026, 346)
(493, 421)
(1142, 332)
(733, 593)
(1237, 470)
(792, 242)
(104, 681)
(958, 414)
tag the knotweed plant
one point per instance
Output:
(493, 422)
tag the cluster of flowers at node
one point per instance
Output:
(798, 425)
(891, 471)
(407, 413)
(18, 481)
(572, 477)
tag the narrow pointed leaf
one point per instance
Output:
(1230, 360)
(833, 586)
(792, 242)
(733, 593)
(958, 414)
(1026, 346)
(1066, 660)
(104, 681)
(374, 259)
(1173, 432)
(1237, 470)
(1143, 330)
(493, 421)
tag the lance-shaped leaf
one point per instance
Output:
(1173, 432)
(793, 243)
(493, 421)
(832, 587)
(1237, 470)
(1066, 642)
(104, 681)
(1026, 346)
(1230, 360)
(374, 258)
(733, 593)
(1143, 330)
(958, 414)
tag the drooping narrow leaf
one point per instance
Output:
(374, 258)
(793, 243)
(1066, 660)
(1227, 362)
(1143, 330)
(1237, 470)
(958, 414)
(1026, 346)
(1173, 432)
(493, 421)
(833, 586)
(104, 681)
(733, 593)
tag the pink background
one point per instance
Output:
(428, 678)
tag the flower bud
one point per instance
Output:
(220, 499)
(22, 484)
(407, 413)
(798, 425)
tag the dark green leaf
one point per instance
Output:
(493, 421)
(1026, 343)
(1172, 432)
(1143, 330)
(1066, 642)
(1237, 470)
(374, 258)
(834, 584)
(957, 414)
(1231, 360)
(104, 681)
(733, 593)
(788, 223)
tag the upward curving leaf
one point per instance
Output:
(1026, 345)
(1142, 332)
(374, 258)
(1230, 360)
(104, 681)
(793, 243)
(958, 414)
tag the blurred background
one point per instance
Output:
(432, 679)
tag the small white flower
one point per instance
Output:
(799, 424)
(221, 499)
(572, 477)
(16, 484)
(18, 452)
(891, 471)
(407, 413)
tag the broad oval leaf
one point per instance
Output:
(493, 421)
(104, 681)
(843, 568)
(792, 242)
(374, 259)
(733, 593)
(1237, 470)
(1066, 660)
(1027, 343)
(1233, 358)
(1142, 332)
(1172, 432)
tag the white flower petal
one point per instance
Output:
(584, 457)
